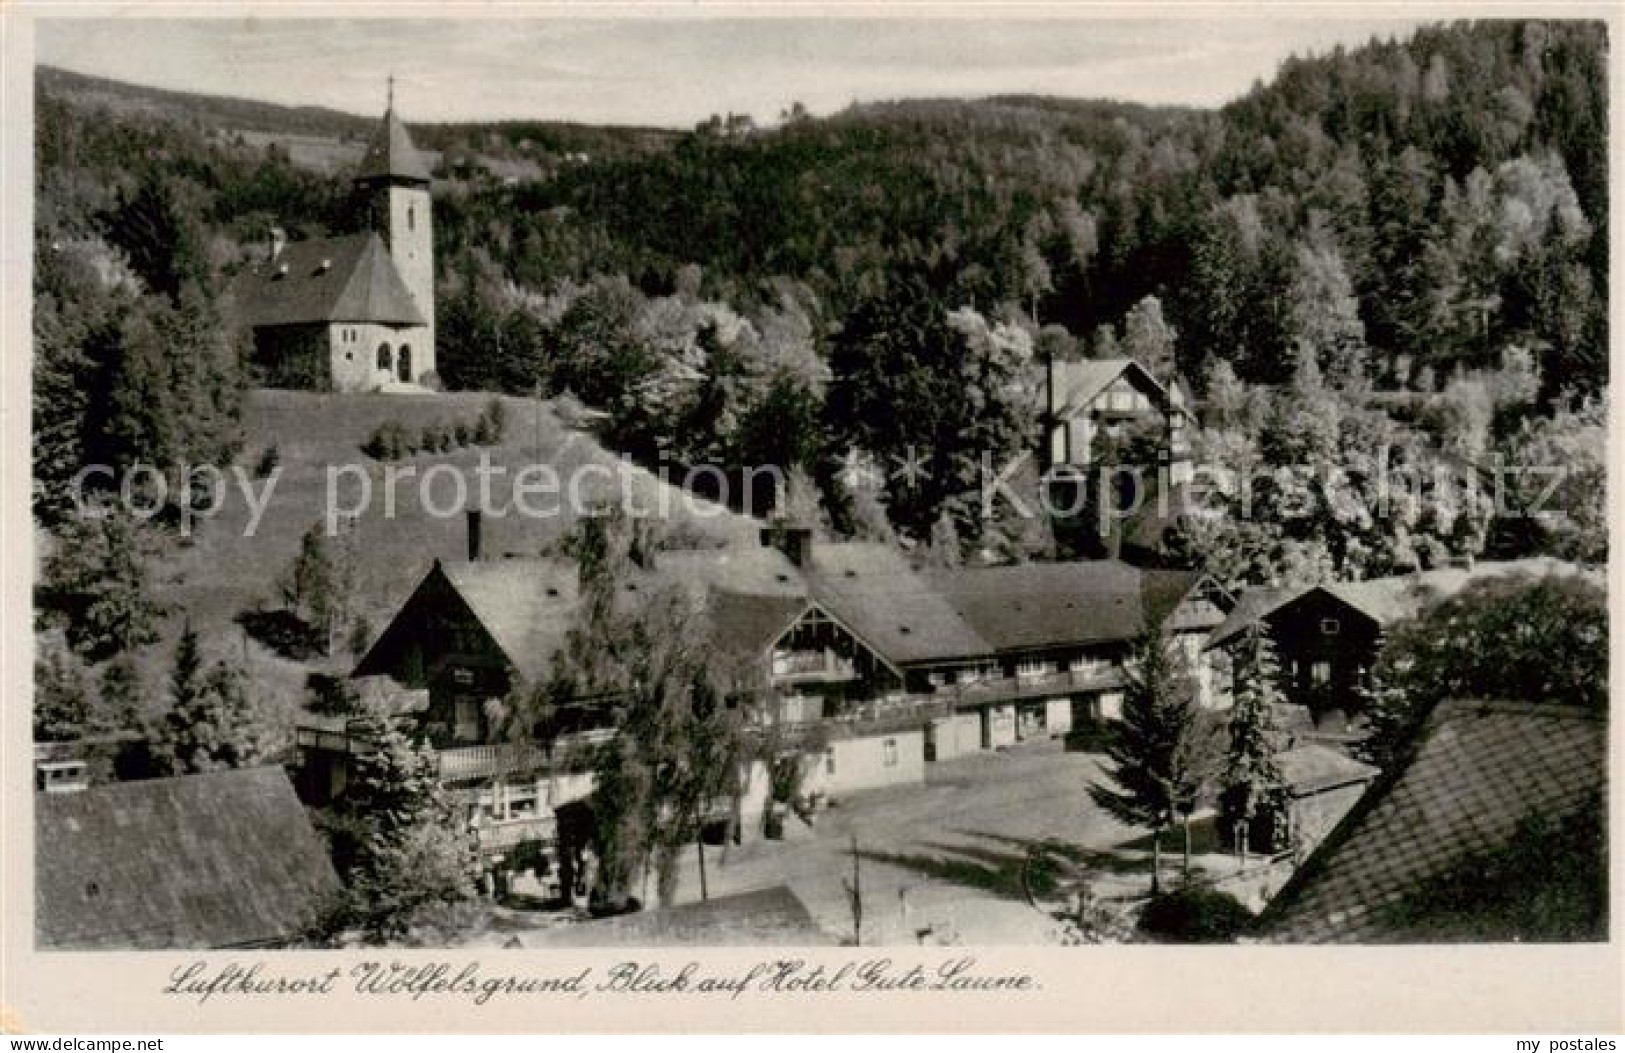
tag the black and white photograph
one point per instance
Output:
(840, 480)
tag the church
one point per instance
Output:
(356, 312)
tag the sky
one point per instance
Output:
(677, 67)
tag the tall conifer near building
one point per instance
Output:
(1253, 800)
(1155, 750)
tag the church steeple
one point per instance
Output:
(391, 157)
(392, 185)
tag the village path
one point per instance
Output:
(940, 863)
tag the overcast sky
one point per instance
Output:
(676, 70)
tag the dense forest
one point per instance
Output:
(1419, 225)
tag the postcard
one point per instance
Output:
(780, 518)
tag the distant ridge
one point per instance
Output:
(238, 112)
(234, 114)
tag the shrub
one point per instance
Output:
(390, 441)
(270, 457)
(1195, 915)
(495, 420)
(432, 381)
(462, 433)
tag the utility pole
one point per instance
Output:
(854, 893)
(699, 844)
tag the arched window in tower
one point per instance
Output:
(406, 364)
(383, 357)
(411, 217)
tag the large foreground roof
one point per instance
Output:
(226, 859)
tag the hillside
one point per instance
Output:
(330, 142)
(226, 571)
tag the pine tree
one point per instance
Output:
(1254, 791)
(97, 580)
(1390, 719)
(211, 723)
(1158, 763)
(61, 694)
(401, 843)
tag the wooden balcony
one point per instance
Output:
(497, 835)
(489, 761)
(1042, 685)
(872, 718)
(822, 666)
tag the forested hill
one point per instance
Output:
(879, 280)
(1456, 180)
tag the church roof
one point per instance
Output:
(391, 154)
(345, 279)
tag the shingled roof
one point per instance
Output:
(1036, 605)
(1481, 770)
(528, 605)
(227, 859)
(1074, 385)
(874, 591)
(391, 154)
(344, 279)
(753, 595)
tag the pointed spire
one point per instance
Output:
(391, 155)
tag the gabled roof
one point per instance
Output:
(753, 595)
(529, 605)
(226, 859)
(344, 279)
(391, 154)
(1076, 384)
(1037, 605)
(1480, 771)
(894, 610)
(1385, 601)
(748, 625)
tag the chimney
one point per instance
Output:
(279, 241)
(58, 768)
(474, 540)
(794, 541)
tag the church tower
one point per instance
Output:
(393, 182)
